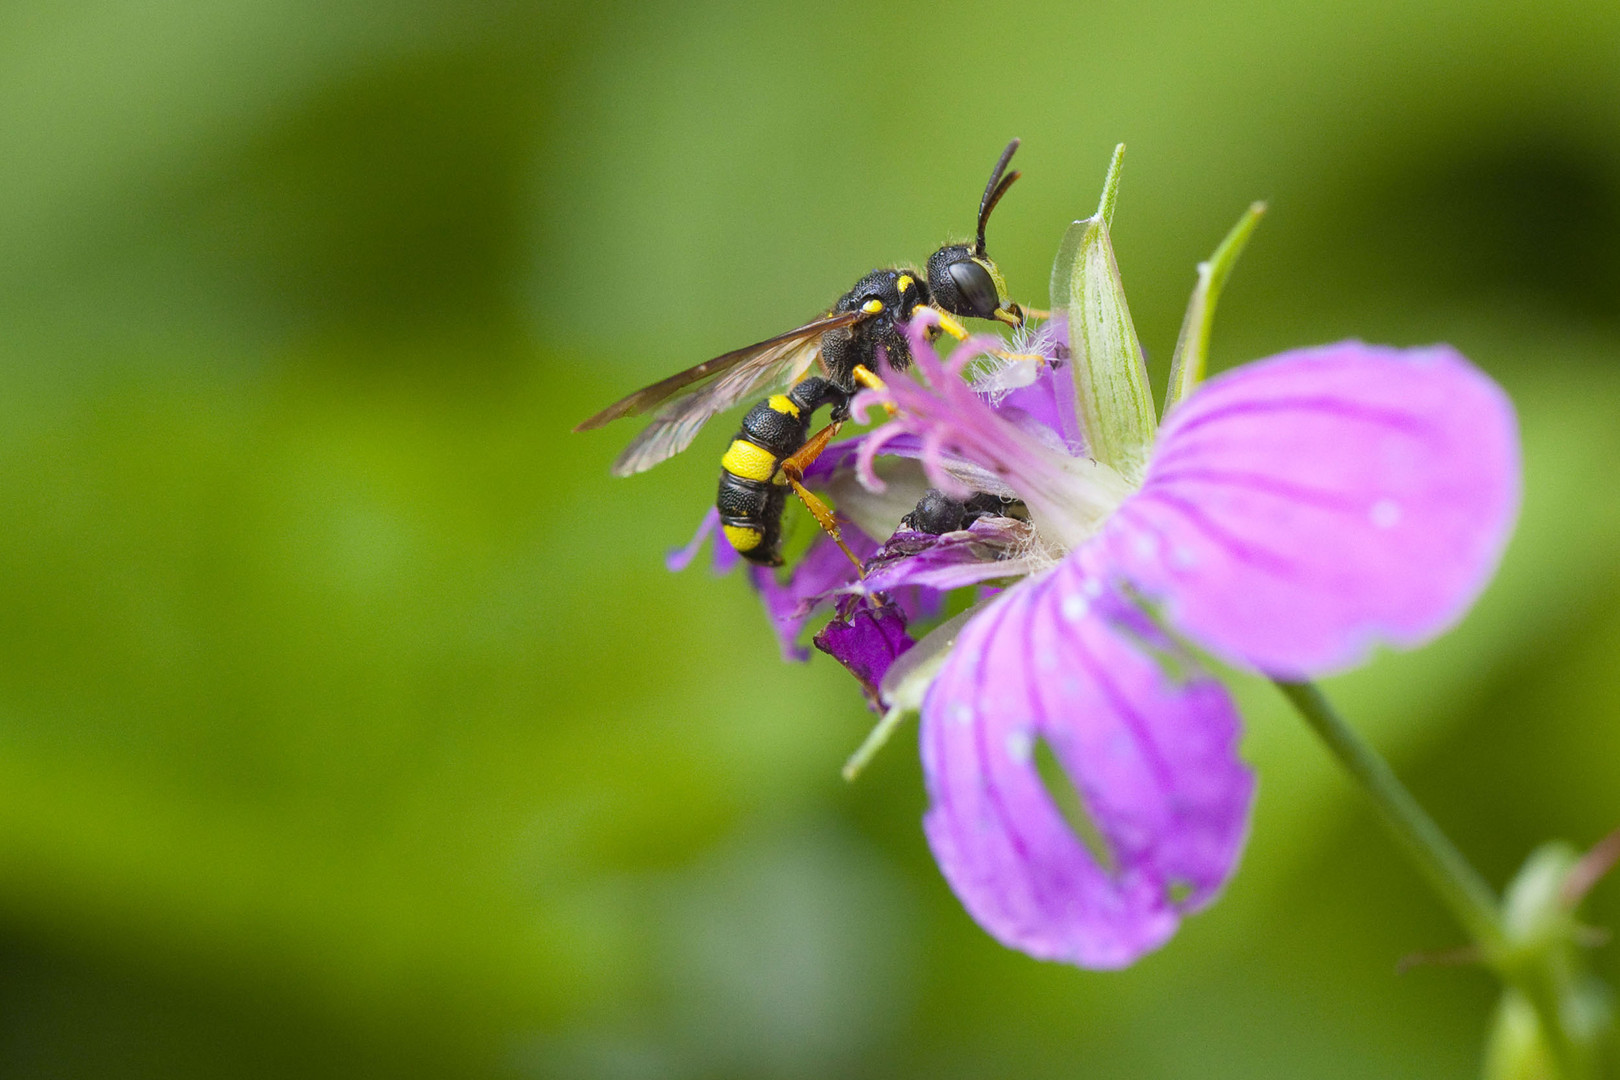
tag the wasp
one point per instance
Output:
(771, 450)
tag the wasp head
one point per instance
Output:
(966, 283)
(962, 278)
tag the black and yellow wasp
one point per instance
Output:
(774, 446)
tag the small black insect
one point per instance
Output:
(937, 513)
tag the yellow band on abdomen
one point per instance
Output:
(783, 404)
(748, 461)
(743, 538)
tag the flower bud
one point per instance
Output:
(1541, 956)
(1110, 374)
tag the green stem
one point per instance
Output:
(1453, 878)
(1458, 884)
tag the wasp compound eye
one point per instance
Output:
(977, 291)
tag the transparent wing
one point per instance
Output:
(677, 423)
(690, 397)
(684, 381)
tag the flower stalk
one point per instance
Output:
(1536, 970)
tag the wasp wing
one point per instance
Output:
(677, 423)
(711, 387)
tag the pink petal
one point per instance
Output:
(1050, 399)
(1153, 758)
(1301, 510)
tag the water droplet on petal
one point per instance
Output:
(1020, 745)
(1385, 513)
(962, 713)
(1075, 607)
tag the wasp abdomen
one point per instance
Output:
(751, 517)
(752, 495)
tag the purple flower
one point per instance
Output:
(1084, 786)
(1291, 516)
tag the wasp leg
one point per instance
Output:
(1036, 313)
(824, 518)
(948, 323)
(1012, 357)
(792, 470)
(864, 376)
(867, 378)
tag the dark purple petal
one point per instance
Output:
(866, 637)
(725, 556)
(1301, 510)
(985, 550)
(1153, 756)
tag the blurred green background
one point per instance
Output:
(349, 722)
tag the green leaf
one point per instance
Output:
(1115, 405)
(1192, 347)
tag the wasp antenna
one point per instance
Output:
(1001, 189)
(994, 190)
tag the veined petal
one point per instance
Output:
(1049, 402)
(1058, 660)
(1300, 510)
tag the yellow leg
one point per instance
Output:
(1001, 354)
(792, 469)
(1036, 313)
(948, 323)
(824, 518)
(795, 463)
(864, 376)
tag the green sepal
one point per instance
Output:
(1192, 347)
(906, 684)
(1542, 962)
(1516, 1048)
(1115, 405)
